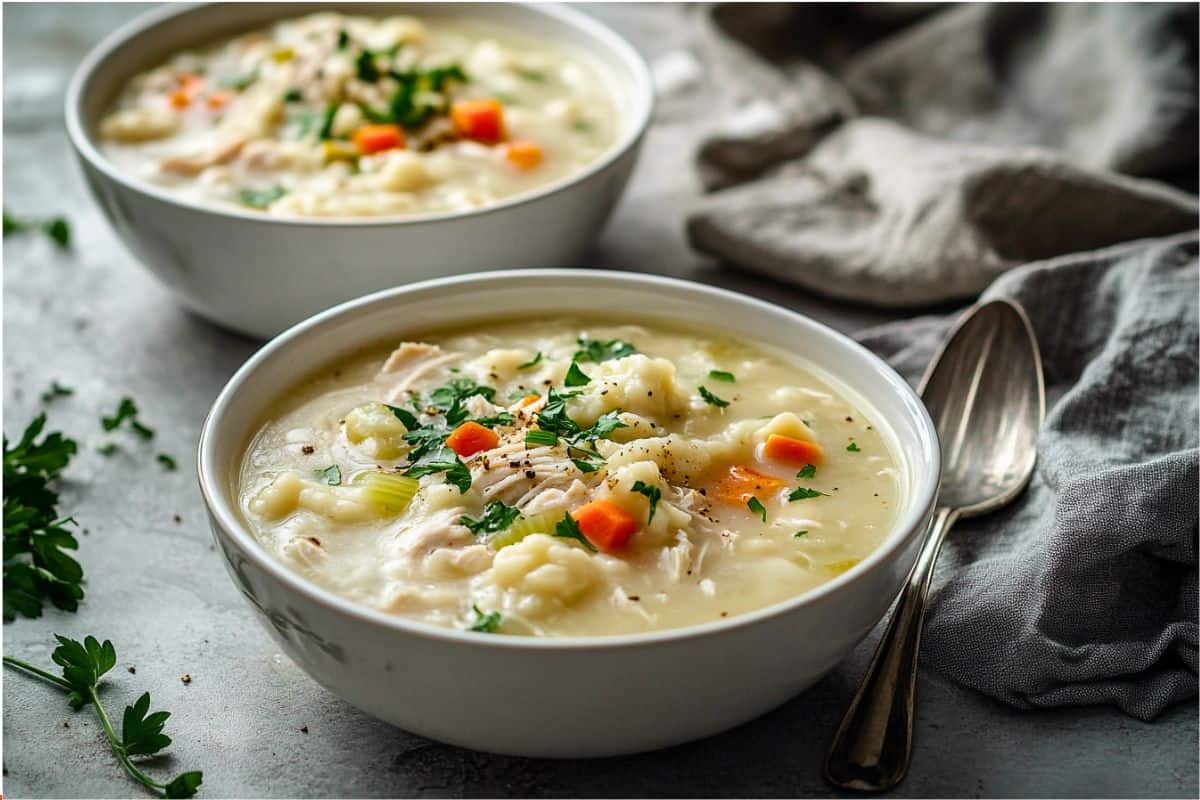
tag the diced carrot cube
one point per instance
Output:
(605, 524)
(180, 98)
(470, 438)
(218, 99)
(523, 155)
(739, 484)
(792, 450)
(377, 138)
(481, 120)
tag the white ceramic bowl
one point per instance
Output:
(567, 696)
(258, 274)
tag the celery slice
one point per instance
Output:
(524, 526)
(388, 492)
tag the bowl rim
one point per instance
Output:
(83, 144)
(924, 488)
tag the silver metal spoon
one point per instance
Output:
(986, 394)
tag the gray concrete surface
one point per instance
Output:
(250, 719)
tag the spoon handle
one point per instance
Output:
(873, 743)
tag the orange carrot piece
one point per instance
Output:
(481, 120)
(529, 400)
(180, 98)
(377, 138)
(792, 450)
(739, 484)
(605, 524)
(218, 99)
(470, 438)
(523, 155)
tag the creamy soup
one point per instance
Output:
(559, 478)
(347, 116)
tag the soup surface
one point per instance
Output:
(559, 478)
(347, 116)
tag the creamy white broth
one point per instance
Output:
(702, 556)
(270, 120)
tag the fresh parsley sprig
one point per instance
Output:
(653, 494)
(83, 665)
(58, 229)
(598, 350)
(496, 517)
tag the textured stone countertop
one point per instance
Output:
(250, 719)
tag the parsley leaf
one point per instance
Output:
(56, 228)
(801, 493)
(501, 418)
(365, 66)
(406, 417)
(798, 534)
(575, 376)
(168, 463)
(598, 351)
(107, 449)
(853, 448)
(261, 198)
(568, 528)
(326, 129)
(83, 665)
(532, 362)
(807, 471)
(127, 410)
(485, 623)
(443, 460)
(602, 428)
(496, 517)
(292, 95)
(56, 390)
(36, 568)
(553, 416)
(653, 493)
(719, 375)
(712, 399)
(331, 475)
(757, 507)
(536, 438)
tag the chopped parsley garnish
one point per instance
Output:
(807, 471)
(532, 75)
(449, 399)
(853, 448)
(712, 399)
(57, 228)
(326, 129)
(127, 410)
(575, 376)
(718, 375)
(499, 418)
(485, 623)
(602, 428)
(653, 493)
(83, 665)
(757, 507)
(798, 534)
(598, 351)
(553, 416)
(533, 362)
(537, 438)
(292, 95)
(802, 493)
(261, 198)
(331, 475)
(418, 96)
(406, 417)
(56, 390)
(496, 517)
(343, 40)
(36, 568)
(365, 66)
(238, 82)
(168, 463)
(584, 466)
(568, 528)
(107, 449)
(446, 461)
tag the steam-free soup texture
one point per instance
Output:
(331, 115)
(552, 478)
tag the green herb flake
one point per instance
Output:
(802, 493)
(365, 66)
(500, 418)
(496, 517)
(292, 95)
(261, 198)
(653, 494)
(807, 471)
(331, 475)
(799, 534)
(107, 449)
(56, 390)
(568, 528)
(326, 129)
(757, 507)
(853, 448)
(599, 351)
(538, 438)
(719, 375)
(712, 399)
(581, 125)
(445, 461)
(575, 376)
(127, 411)
(83, 665)
(343, 39)
(533, 362)
(485, 623)
(58, 229)
(168, 463)
(584, 466)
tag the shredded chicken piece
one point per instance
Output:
(409, 363)
(515, 473)
(196, 163)
(440, 529)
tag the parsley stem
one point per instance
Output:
(46, 676)
(119, 749)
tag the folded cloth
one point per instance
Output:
(1084, 589)
(1008, 127)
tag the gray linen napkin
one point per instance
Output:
(1084, 589)
(1005, 130)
